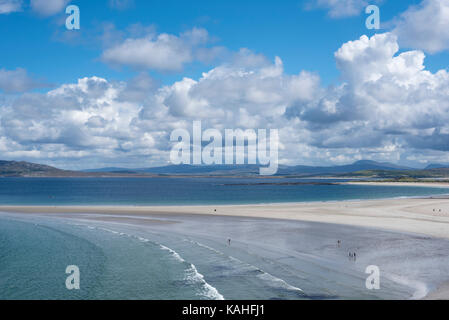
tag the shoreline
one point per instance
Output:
(308, 261)
(368, 183)
(427, 216)
(412, 217)
(399, 184)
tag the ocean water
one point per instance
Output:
(268, 259)
(119, 265)
(187, 191)
(113, 265)
(123, 262)
(189, 258)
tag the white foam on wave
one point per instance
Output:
(278, 282)
(119, 233)
(143, 239)
(210, 292)
(109, 230)
(173, 253)
(275, 281)
(193, 275)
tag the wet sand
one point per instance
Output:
(422, 216)
(407, 238)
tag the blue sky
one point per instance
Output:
(304, 38)
(111, 92)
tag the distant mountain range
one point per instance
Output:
(22, 168)
(356, 166)
(184, 169)
(437, 166)
(27, 169)
(254, 169)
(364, 168)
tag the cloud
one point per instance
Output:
(139, 88)
(122, 122)
(387, 100)
(121, 4)
(425, 26)
(386, 107)
(437, 140)
(163, 52)
(70, 116)
(18, 81)
(340, 8)
(8, 6)
(48, 8)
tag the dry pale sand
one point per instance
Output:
(423, 216)
(442, 293)
(401, 184)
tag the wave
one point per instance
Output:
(275, 281)
(109, 230)
(191, 273)
(194, 276)
(278, 282)
(173, 253)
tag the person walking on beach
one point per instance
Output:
(338, 243)
(229, 242)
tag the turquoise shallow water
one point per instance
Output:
(186, 191)
(113, 265)
(190, 259)
(120, 262)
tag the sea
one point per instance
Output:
(122, 261)
(191, 191)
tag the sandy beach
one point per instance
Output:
(398, 234)
(435, 184)
(422, 216)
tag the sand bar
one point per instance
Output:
(436, 184)
(423, 216)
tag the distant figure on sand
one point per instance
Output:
(338, 243)
(352, 256)
(229, 242)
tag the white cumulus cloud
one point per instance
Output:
(8, 6)
(387, 107)
(48, 7)
(425, 26)
(18, 81)
(163, 52)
